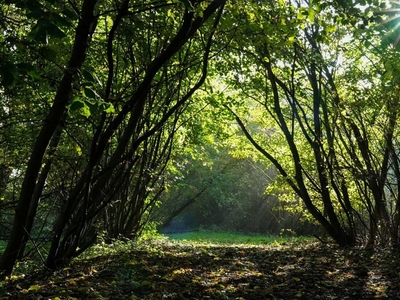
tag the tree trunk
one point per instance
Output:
(134, 106)
(18, 234)
(39, 189)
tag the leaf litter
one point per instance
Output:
(164, 269)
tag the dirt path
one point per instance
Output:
(167, 270)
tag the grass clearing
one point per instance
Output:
(228, 238)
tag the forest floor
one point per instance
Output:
(168, 269)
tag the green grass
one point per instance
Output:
(227, 238)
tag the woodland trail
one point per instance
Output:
(162, 269)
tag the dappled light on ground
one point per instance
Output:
(164, 269)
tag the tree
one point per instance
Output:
(297, 104)
(119, 104)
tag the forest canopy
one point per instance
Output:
(117, 113)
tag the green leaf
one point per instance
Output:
(89, 93)
(303, 14)
(44, 29)
(78, 150)
(311, 14)
(36, 14)
(70, 14)
(60, 21)
(88, 76)
(29, 70)
(34, 288)
(38, 34)
(90, 79)
(109, 108)
(55, 32)
(76, 103)
(93, 108)
(330, 28)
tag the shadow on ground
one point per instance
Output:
(167, 270)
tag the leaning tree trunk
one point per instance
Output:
(332, 225)
(39, 189)
(131, 111)
(86, 25)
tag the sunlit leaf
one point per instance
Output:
(311, 14)
(34, 288)
(78, 150)
(109, 108)
(302, 15)
(85, 111)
